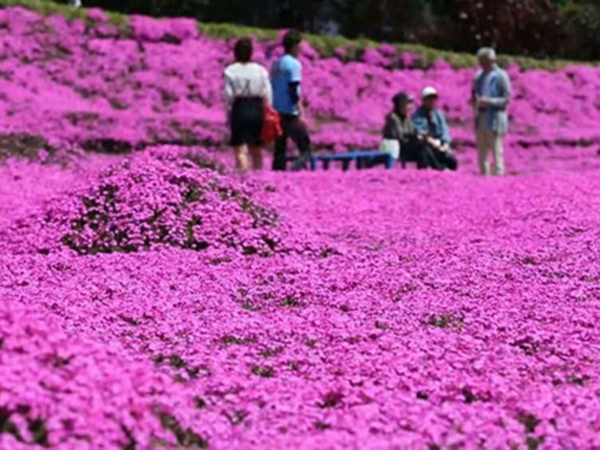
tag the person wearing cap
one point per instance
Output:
(400, 128)
(490, 99)
(431, 123)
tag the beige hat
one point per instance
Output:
(429, 91)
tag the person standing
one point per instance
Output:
(286, 79)
(431, 123)
(75, 3)
(246, 89)
(490, 99)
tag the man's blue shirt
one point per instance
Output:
(284, 71)
(436, 126)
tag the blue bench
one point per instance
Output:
(360, 156)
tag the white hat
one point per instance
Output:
(429, 91)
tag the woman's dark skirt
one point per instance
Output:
(247, 120)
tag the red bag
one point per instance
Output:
(272, 127)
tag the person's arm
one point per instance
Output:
(390, 130)
(302, 113)
(413, 132)
(444, 132)
(504, 99)
(295, 89)
(295, 95)
(420, 123)
(473, 99)
(268, 89)
(228, 92)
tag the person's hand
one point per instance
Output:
(303, 121)
(484, 101)
(435, 142)
(302, 115)
(445, 148)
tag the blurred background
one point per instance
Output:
(568, 29)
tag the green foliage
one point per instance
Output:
(263, 371)
(271, 352)
(229, 340)
(529, 421)
(451, 321)
(231, 31)
(324, 44)
(332, 399)
(186, 437)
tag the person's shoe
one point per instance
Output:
(300, 163)
(298, 167)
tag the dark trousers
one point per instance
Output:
(418, 151)
(426, 156)
(447, 160)
(292, 128)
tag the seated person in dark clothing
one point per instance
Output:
(399, 127)
(431, 123)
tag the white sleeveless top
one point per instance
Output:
(246, 80)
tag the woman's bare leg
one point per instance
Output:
(241, 158)
(257, 157)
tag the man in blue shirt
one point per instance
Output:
(286, 80)
(431, 124)
(490, 98)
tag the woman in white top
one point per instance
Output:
(247, 88)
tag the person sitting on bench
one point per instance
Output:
(431, 123)
(399, 127)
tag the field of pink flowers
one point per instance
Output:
(151, 298)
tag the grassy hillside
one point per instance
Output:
(325, 45)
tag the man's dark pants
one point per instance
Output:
(448, 160)
(421, 153)
(428, 157)
(295, 129)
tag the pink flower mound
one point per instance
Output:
(62, 392)
(97, 15)
(156, 30)
(163, 197)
